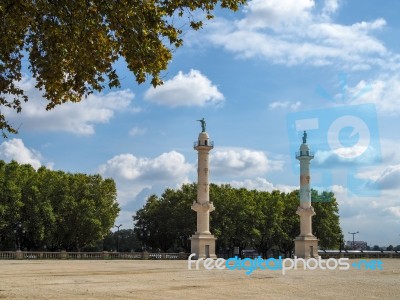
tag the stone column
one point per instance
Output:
(306, 244)
(203, 242)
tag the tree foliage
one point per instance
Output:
(125, 240)
(264, 221)
(71, 45)
(53, 209)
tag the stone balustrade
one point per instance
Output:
(325, 254)
(91, 255)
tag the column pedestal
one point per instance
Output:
(203, 242)
(203, 245)
(306, 244)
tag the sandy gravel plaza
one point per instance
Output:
(137, 279)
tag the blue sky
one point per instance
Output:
(252, 75)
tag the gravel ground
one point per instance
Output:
(136, 279)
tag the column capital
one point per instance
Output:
(305, 211)
(203, 207)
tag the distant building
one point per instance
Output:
(358, 245)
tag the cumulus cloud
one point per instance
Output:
(389, 179)
(369, 215)
(347, 156)
(285, 104)
(394, 211)
(134, 174)
(165, 167)
(242, 162)
(191, 89)
(330, 7)
(276, 14)
(383, 92)
(77, 118)
(293, 32)
(137, 131)
(262, 184)
(15, 149)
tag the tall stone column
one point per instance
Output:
(203, 242)
(306, 244)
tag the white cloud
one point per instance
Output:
(395, 211)
(134, 174)
(191, 89)
(389, 179)
(291, 32)
(165, 167)
(347, 156)
(330, 6)
(383, 92)
(77, 118)
(241, 162)
(15, 149)
(338, 189)
(369, 215)
(276, 13)
(262, 184)
(137, 131)
(259, 183)
(285, 104)
(390, 151)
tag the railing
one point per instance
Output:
(304, 153)
(171, 256)
(91, 255)
(358, 254)
(7, 254)
(126, 255)
(203, 143)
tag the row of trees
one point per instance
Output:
(123, 240)
(44, 209)
(261, 220)
(53, 210)
(388, 248)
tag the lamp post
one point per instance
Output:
(118, 226)
(16, 240)
(340, 243)
(353, 233)
(17, 232)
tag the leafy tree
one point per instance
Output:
(290, 225)
(232, 220)
(242, 218)
(88, 211)
(53, 210)
(36, 215)
(164, 223)
(326, 221)
(126, 240)
(71, 46)
(223, 226)
(270, 220)
(10, 204)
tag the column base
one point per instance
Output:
(306, 246)
(203, 245)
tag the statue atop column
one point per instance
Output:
(203, 125)
(305, 137)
